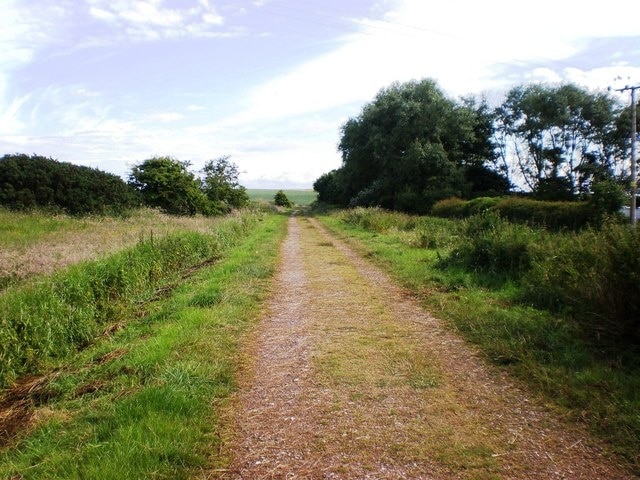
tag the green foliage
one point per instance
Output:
(220, 185)
(29, 182)
(281, 199)
(556, 131)
(167, 184)
(494, 245)
(58, 315)
(553, 215)
(409, 148)
(594, 274)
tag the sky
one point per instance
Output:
(110, 83)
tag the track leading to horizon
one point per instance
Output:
(348, 377)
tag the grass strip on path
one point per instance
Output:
(144, 400)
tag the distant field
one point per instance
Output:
(299, 197)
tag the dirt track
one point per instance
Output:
(350, 378)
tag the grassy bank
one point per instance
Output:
(478, 289)
(143, 401)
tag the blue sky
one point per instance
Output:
(110, 83)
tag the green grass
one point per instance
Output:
(547, 351)
(19, 229)
(144, 401)
(298, 197)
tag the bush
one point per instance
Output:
(281, 199)
(595, 275)
(553, 215)
(450, 208)
(30, 182)
(494, 245)
(377, 219)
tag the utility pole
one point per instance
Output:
(634, 176)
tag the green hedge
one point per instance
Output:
(553, 215)
(28, 182)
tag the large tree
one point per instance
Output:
(562, 138)
(409, 148)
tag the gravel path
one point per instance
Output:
(351, 378)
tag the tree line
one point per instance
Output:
(33, 181)
(413, 146)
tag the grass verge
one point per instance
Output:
(143, 401)
(546, 351)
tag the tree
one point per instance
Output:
(409, 148)
(558, 136)
(166, 183)
(220, 185)
(281, 199)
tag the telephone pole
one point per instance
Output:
(634, 176)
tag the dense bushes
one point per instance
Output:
(553, 215)
(28, 182)
(58, 315)
(595, 275)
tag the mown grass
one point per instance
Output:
(549, 351)
(144, 401)
(298, 197)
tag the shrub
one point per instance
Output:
(449, 208)
(37, 182)
(494, 245)
(595, 275)
(281, 199)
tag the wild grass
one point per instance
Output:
(297, 196)
(144, 401)
(53, 317)
(479, 276)
(33, 244)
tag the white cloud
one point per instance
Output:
(150, 20)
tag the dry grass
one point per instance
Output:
(77, 240)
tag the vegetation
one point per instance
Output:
(553, 308)
(412, 147)
(167, 184)
(29, 182)
(281, 199)
(145, 400)
(56, 316)
(220, 185)
(550, 214)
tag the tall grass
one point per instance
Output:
(52, 318)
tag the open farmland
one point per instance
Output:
(298, 197)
